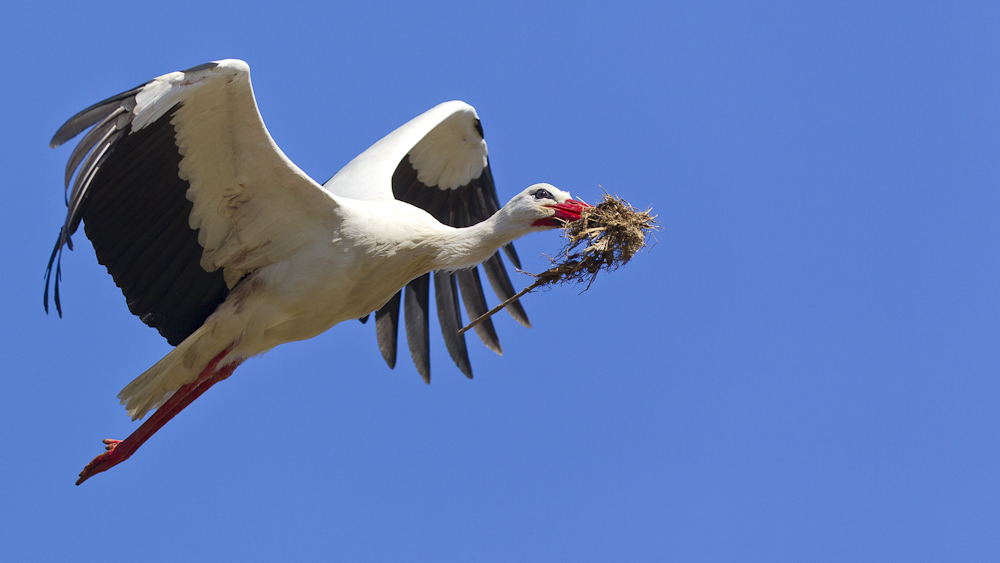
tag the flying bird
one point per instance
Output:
(228, 249)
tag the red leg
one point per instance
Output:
(120, 450)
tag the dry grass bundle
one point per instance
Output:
(610, 234)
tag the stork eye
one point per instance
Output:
(543, 194)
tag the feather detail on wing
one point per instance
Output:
(183, 192)
(438, 162)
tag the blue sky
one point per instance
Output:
(803, 368)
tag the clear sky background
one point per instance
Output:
(805, 367)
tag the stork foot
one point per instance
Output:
(120, 450)
(103, 462)
(109, 443)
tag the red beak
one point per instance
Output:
(566, 212)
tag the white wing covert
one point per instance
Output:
(183, 193)
(438, 162)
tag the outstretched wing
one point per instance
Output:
(438, 161)
(183, 193)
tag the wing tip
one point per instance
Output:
(205, 66)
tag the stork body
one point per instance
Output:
(226, 247)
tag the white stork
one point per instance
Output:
(228, 249)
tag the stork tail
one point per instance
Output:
(178, 368)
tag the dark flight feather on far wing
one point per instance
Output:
(450, 317)
(458, 207)
(417, 314)
(387, 329)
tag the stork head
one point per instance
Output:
(546, 206)
(538, 208)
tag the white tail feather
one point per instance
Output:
(178, 368)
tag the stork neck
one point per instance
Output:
(466, 247)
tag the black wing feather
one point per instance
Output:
(135, 211)
(387, 329)
(475, 304)
(496, 273)
(97, 112)
(450, 316)
(460, 207)
(417, 324)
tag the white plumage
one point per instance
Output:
(226, 247)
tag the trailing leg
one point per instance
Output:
(120, 450)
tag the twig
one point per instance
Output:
(494, 310)
(611, 233)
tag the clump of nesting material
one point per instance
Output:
(609, 233)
